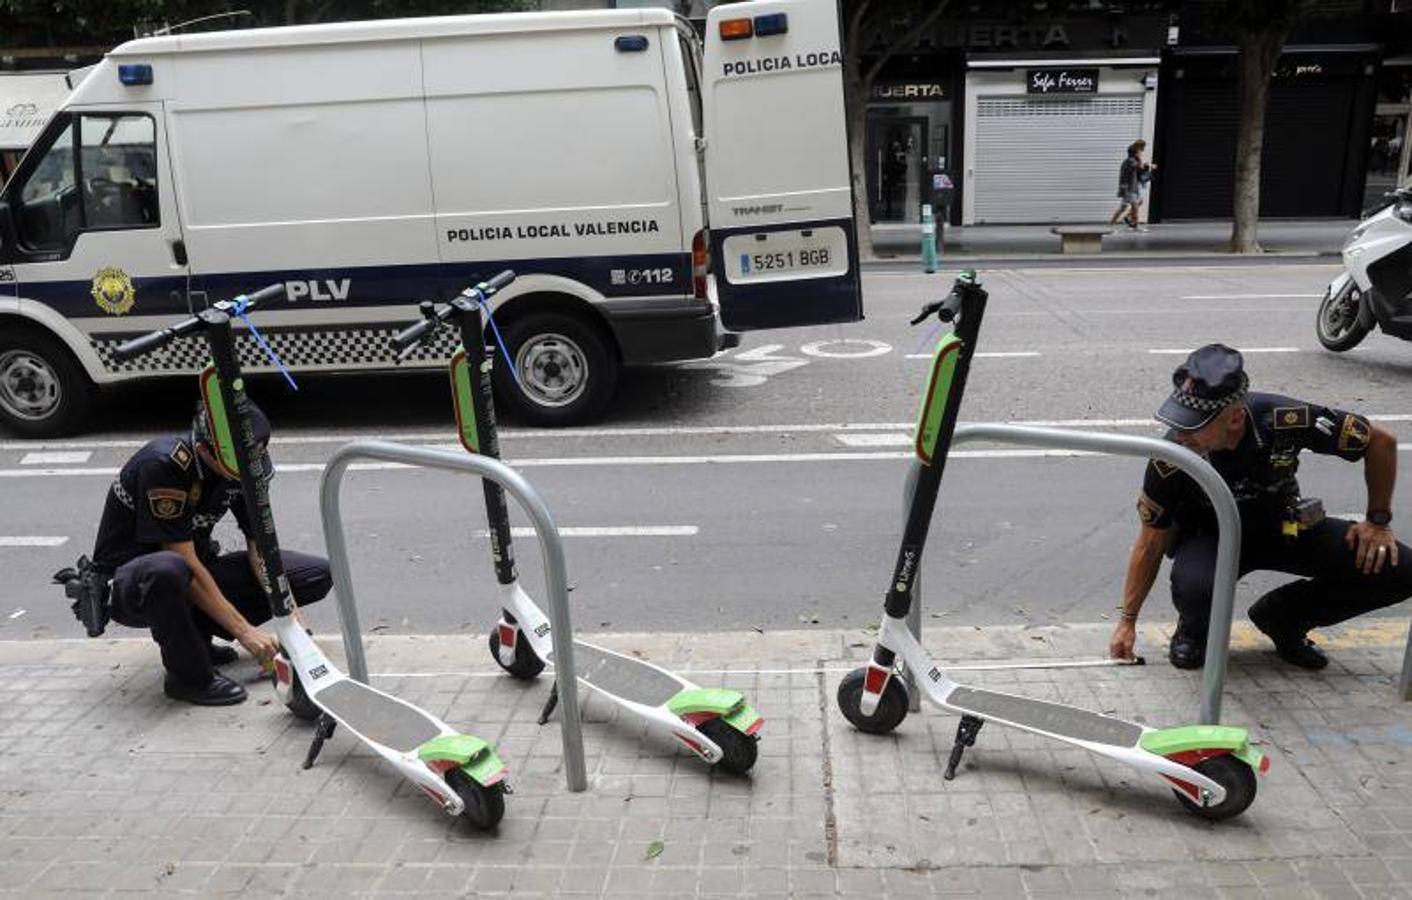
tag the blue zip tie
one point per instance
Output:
(242, 303)
(499, 341)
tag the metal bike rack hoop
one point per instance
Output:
(551, 548)
(1218, 637)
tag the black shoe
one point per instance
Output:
(1292, 645)
(219, 691)
(1186, 651)
(221, 654)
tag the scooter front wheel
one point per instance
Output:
(296, 699)
(485, 806)
(1230, 773)
(1337, 325)
(892, 706)
(739, 750)
(526, 664)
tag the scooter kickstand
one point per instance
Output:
(549, 704)
(322, 732)
(965, 737)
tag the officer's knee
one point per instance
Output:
(1192, 587)
(313, 581)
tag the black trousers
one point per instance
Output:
(154, 591)
(1332, 590)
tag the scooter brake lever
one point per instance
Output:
(926, 313)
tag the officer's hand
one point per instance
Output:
(261, 644)
(1374, 546)
(1124, 639)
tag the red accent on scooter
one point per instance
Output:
(508, 635)
(759, 723)
(696, 748)
(875, 680)
(1192, 757)
(282, 671)
(1189, 788)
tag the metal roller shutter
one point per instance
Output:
(1051, 160)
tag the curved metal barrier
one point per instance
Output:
(551, 547)
(1218, 637)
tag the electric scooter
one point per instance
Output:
(715, 723)
(1211, 768)
(1375, 287)
(460, 772)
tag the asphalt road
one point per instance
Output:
(761, 489)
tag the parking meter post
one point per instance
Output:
(928, 240)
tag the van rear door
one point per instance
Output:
(779, 187)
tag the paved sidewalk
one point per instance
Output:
(1280, 238)
(106, 787)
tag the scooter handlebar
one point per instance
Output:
(412, 334)
(265, 293)
(140, 346)
(499, 282)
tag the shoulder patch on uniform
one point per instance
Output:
(1164, 468)
(181, 455)
(1289, 417)
(1354, 434)
(166, 503)
(1148, 510)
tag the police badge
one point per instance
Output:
(113, 291)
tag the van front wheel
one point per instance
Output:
(565, 370)
(43, 390)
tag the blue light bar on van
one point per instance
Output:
(135, 73)
(774, 23)
(631, 43)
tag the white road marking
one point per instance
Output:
(15, 615)
(1252, 296)
(32, 540)
(873, 440)
(1177, 352)
(440, 437)
(994, 354)
(609, 531)
(838, 349)
(55, 457)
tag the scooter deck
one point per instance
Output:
(1040, 715)
(377, 716)
(624, 677)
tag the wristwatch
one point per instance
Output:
(1380, 517)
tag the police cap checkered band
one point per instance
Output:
(1212, 404)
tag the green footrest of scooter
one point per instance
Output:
(1187, 738)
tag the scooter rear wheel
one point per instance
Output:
(1230, 773)
(485, 806)
(526, 664)
(892, 706)
(739, 750)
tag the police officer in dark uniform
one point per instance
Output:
(1254, 440)
(154, 542)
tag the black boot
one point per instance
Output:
(1291, 642)
(219, 691)
(1187, 649)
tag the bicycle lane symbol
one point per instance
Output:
(750, 368)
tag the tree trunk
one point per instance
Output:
(1258, 54)
(856, 109)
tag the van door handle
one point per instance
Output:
(179, 252)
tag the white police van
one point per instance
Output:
(653, 194)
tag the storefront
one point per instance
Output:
(1318, 133)
(1047, 136)
(910, 140)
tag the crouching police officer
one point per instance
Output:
(1253, 440)
(155, 543)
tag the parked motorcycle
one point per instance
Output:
(1375, 288)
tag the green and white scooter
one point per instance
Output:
(460, 772)
(1211, 768)
(715, 723)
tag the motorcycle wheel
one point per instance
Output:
(1337, 325)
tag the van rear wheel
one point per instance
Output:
(567, 370)
(43, 389)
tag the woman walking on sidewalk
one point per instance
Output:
(1132, 175)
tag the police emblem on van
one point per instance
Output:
(113, 291)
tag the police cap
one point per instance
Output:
(1212, 378)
